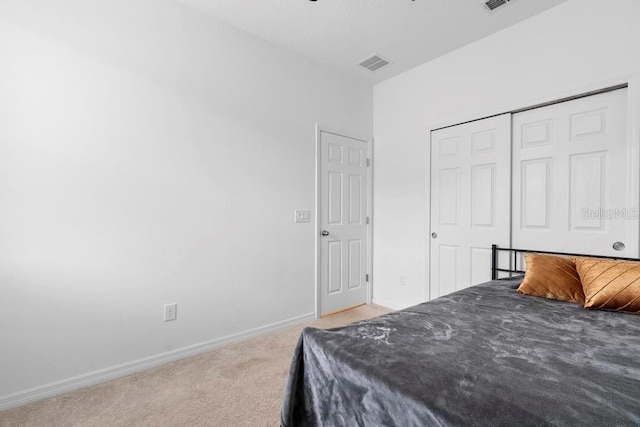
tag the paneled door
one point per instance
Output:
(470, 201)
(571, 178)
(343, 222)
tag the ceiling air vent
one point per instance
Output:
(374, 63)
(494, 4)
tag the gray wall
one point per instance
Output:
(564, 50)
(151, 155)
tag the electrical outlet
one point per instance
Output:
(170, 312)
(403, 280)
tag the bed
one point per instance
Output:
(485, 355)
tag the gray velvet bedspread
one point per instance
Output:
(484, 356)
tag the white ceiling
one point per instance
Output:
(342, 33)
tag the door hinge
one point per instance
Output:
(367, 277)
(368, 220)
(368, 162)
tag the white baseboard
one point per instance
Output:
(64, 386)
(388, 304)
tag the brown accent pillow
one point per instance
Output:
(552, 277)
(610, 284)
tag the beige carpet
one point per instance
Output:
(238, 385)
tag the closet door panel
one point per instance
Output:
(470, 201)
(571, 191)
(535, 193)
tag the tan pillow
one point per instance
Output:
(610, 284)
(552, 277)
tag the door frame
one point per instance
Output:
(318, 212)
(630, 81)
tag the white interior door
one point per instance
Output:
(470, 201)
(571, 164)
(343, 222)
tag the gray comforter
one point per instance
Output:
(484, 356)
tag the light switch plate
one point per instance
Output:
(302, 215)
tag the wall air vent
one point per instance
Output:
(494, 4)
(374, 63)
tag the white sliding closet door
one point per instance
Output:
(470, 201)
(571, 181)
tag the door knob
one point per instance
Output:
(434, 235)
(324, 233)
(618, 246)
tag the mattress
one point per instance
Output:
(485, 355)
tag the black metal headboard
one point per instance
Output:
(513, 262)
